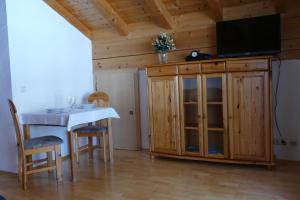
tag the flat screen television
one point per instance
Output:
(249, 37)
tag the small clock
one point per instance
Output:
(194, 53)
(197, 55)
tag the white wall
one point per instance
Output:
(288, 108)
(8, 153)
(50, 61)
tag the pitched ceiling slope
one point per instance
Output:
(125, 16)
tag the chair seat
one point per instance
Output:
(91, 129)
(44, 141)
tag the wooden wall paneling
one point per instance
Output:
(160, 13)
(290, 27)
(249, 10)
(279, 5)
(69, 17)
(291, 34)
(184, 40)
(194, 21)
(112, 16)
(143, 60)
(216, 8)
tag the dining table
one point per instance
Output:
(70, 118)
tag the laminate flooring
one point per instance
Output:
(134, 176)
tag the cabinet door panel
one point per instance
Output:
(215, 115)
(248, 95)
(191, 110)
(164, 113)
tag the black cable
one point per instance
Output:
(276, 98)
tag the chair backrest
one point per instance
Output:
(18, 130)
(101, 99)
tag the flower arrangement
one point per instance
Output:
(163, 42)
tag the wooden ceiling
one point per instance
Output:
(94, 15)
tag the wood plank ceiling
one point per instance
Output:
(121, 30)
(122, 15)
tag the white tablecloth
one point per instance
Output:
(68, 117)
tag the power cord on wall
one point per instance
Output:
(283, 142)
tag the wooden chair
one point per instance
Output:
(101, 99)
(26, 148)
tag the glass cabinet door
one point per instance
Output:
(214, 115)
(190, 112)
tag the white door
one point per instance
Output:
(122, 88)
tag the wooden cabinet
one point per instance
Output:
(215, 111)
(164, 114)
(249, 120)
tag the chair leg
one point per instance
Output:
(99, 141)
(57, 149)
(104, 146)
(24, 175)
(20, 166)
(77, 147)
(49, 162)
(90, 147)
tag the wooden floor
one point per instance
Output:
(135, 176)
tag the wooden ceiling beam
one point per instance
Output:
(161, 13)
(69, 17)
(111, 15)
(216, 9)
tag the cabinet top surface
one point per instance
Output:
(212, 60)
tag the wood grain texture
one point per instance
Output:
(163, 92)
(111, 15)
(216, 8)
(135, 176)
(134, 20)
(247, 65)
(213, 67)
(189, 68)
(249, 116)
(162, 71)
(69, 17)
(247, 98)
(161, 13)
(86, 12)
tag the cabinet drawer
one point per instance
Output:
(162, 71)
(189, 69)
(213, 67)
(248, 65)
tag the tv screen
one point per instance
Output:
(251, 36)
